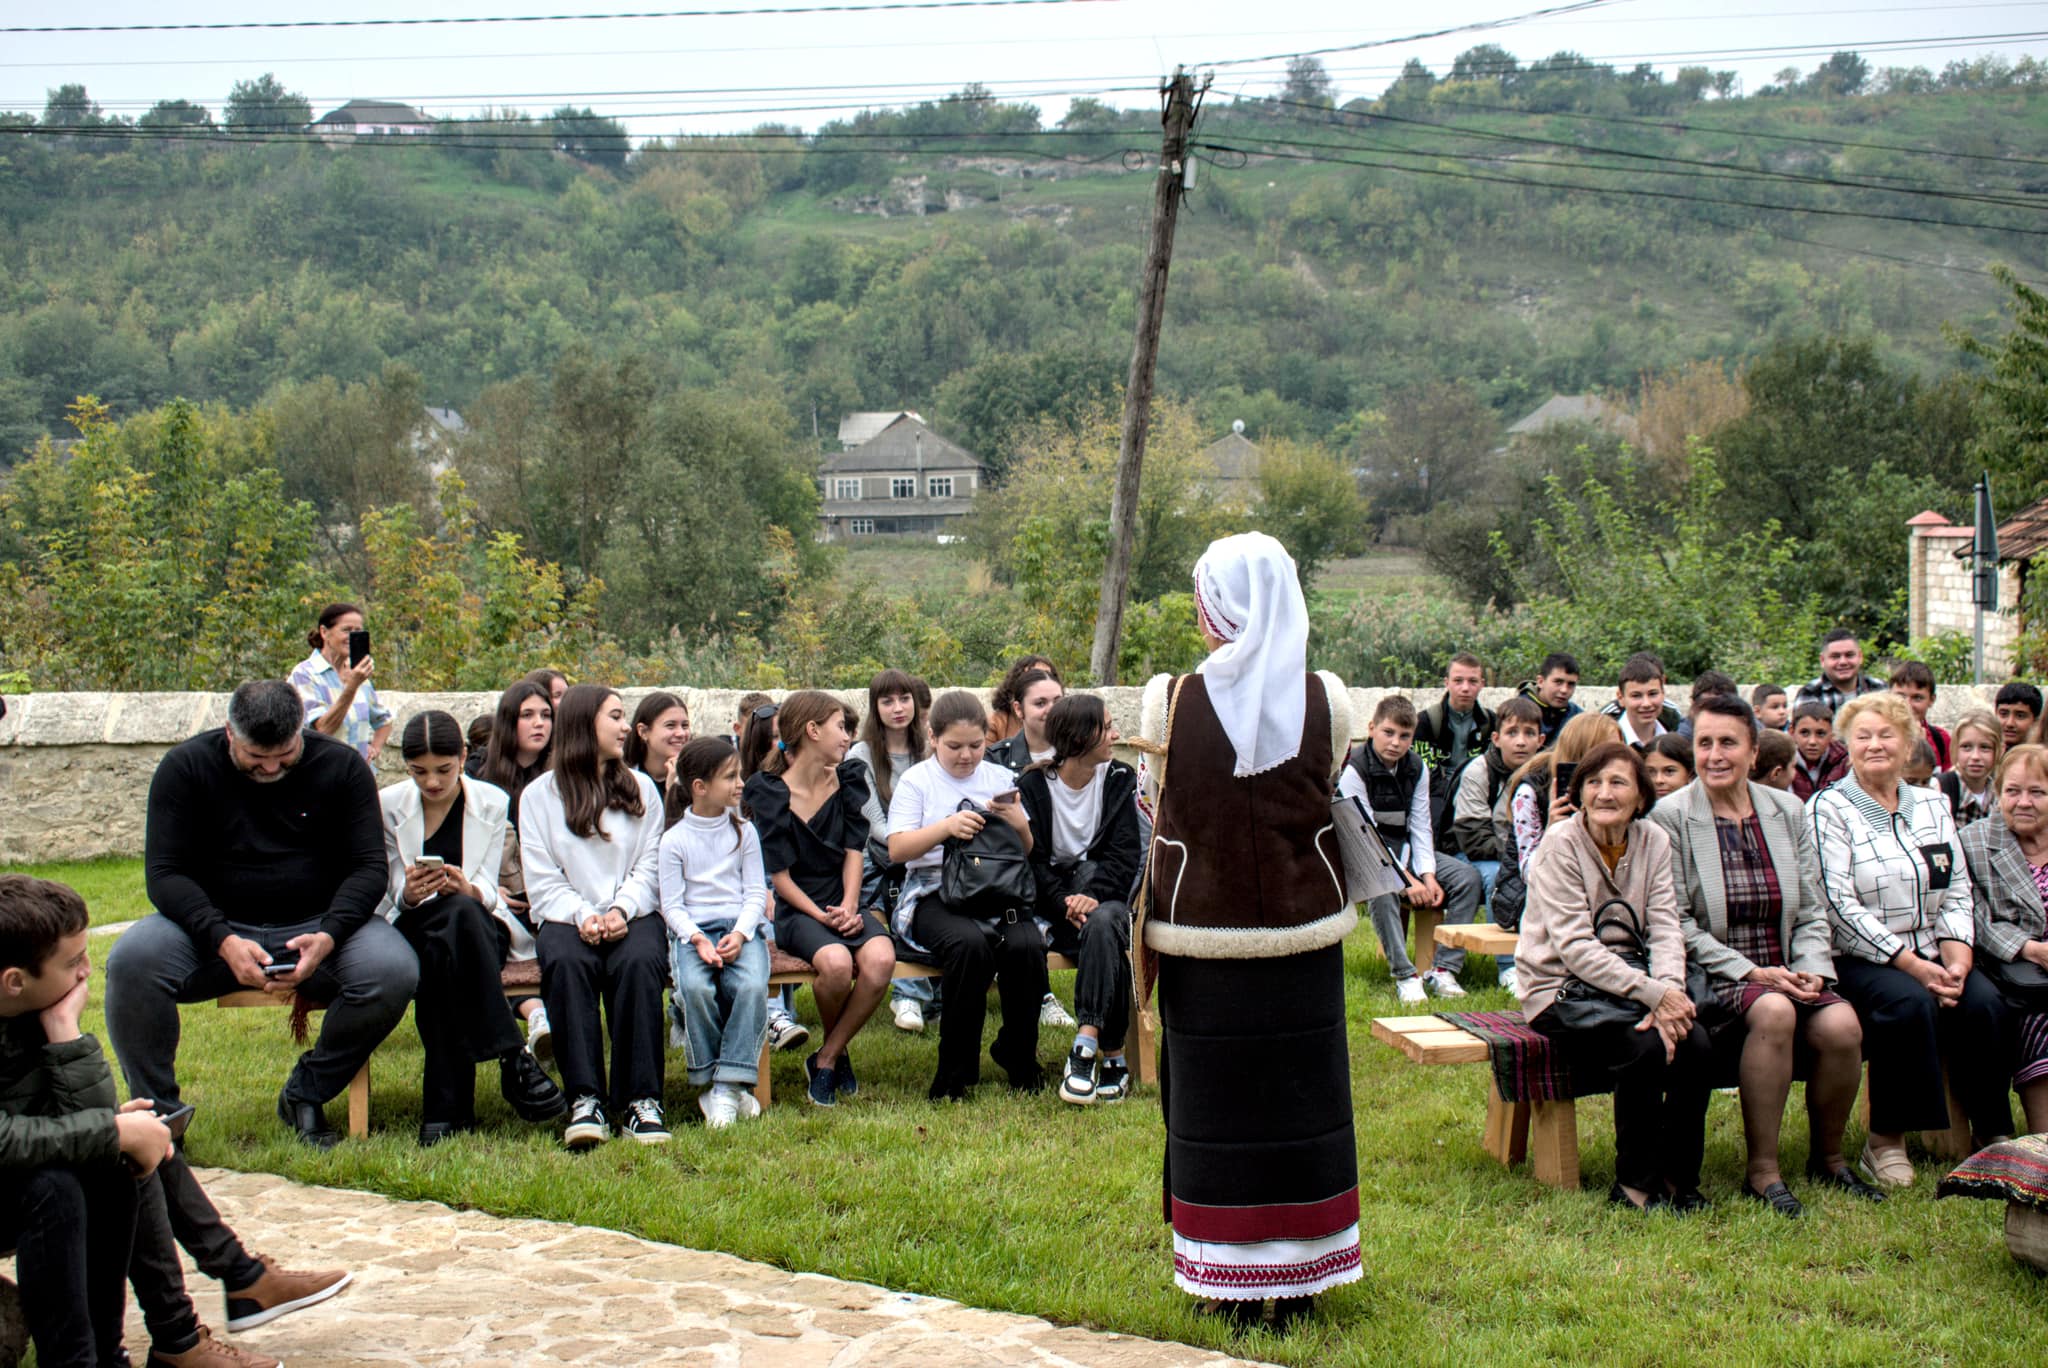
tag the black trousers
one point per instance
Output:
(71, 1229)
(1660, 1108)
(459, 1007)
(974, 954)
(1907, 1035)
(625, 976)
(1102, 986)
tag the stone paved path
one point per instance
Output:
(436, 1286)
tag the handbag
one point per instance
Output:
(2023, 983)
(988, 875)
(1509, 899)
(1582, 1007)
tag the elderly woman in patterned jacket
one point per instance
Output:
(2008, 857)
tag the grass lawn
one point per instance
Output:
(1026, 1205)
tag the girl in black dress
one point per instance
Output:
(806, 803)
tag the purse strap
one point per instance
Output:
(1633, 925)
(1143, 962)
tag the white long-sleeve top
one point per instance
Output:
(1420, 852)
(711, 875)
(572, 878)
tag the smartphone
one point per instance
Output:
(432, 861)
(1565, 770)
(175, 1119)
(279, 968)
(1003, 799)
(358, 646)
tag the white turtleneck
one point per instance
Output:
(711, 876)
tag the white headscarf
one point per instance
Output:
(1248, 595)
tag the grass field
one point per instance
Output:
(1026, 1205)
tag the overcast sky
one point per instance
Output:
(714, 74)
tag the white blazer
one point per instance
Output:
(486, 810)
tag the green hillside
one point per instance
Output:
(1303, 291)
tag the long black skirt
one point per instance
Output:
(1261, 1164)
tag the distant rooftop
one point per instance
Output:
(856, 428)
(373, 112)
(1576, 408)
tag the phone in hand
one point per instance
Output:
(175, 1119)
(279, 968)
(358, 646)
(432, 862)
(1003, 799)
(1565, 770)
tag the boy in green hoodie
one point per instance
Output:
(67, 1199)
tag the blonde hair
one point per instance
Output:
(2028, 753)
(1988, 724)
(1893, 709)
(1575, 740)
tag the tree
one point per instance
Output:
(350, 449)
(1310, 502)
(1426, 446)
(265, 106)
(70, 108)
(589, 137)
(1486, 62)
(1842, 74)
(2012, 397)
(1412, 85)
(174, 114)
(1308, 84)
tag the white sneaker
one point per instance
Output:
(1507, 981)
(719, 1106)
(1050, 1013)
(750, 1105)
(540, 1037)
(909, 1015)
(1443, 984)
(1410, 990)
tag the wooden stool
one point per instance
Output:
(1545, 1133)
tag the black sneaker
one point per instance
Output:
(588, 1124)
(842, 1075)
(526, 1085)
(1113, 1082)
(644, 1122)
(1077, 1085)
(309, 1120)
(822, 1087)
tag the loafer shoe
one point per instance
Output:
(1777, 1197)
(309, 1121)
(1889, 1168)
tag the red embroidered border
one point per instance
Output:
(1274, 1221)
(1270, 1275)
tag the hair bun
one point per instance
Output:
(313, 638)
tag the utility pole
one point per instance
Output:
(1176, 175)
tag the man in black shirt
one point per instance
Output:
(264, 848)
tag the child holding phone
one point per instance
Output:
(926, 812)
(713, 897)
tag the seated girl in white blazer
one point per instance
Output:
(444, 835)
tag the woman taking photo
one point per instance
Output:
(2008, 857)
(806, 805)
(1899, 900)
(589, 836)
(339, 698)
(444, 839)
(1600, 887)
(1247, 919)
(1749, 899)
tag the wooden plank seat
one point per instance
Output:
(1545, 1133)
(1481, 938)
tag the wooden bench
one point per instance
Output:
(1480, 938)
(1544, 1133)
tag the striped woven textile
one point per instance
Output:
(2009, 1171)
(1526, 1067)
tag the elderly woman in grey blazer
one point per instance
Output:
(2007, 854)
(1750, 902)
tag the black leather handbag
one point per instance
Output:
(1509, 898)
(1582, 1007)
(2023, 983)
(988, 875)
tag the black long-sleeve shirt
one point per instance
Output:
(220, 847)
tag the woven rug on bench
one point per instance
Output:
(1525, 1066)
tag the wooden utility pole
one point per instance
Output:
(1179, 119)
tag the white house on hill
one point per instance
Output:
(359, 118)
(902, 479)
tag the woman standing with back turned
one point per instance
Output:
(1247, 913)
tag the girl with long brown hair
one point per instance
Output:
(806, 804)
(589, 834)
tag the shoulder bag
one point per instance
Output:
(1582, 1007)
(2023, 983)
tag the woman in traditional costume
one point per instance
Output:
(1247, 910)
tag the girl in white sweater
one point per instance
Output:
(713, 896)
(589, 832)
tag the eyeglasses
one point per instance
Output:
(764, 712)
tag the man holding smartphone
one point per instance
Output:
(264, 856)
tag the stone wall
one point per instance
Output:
(1940, 597)
(75, 767)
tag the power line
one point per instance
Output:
(420, 21)
(1475, 27)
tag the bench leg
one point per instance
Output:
(1427, 920)
(764, 1090)
(1507, 1127)
(1953, 1143)
(359, 1102)
(1554, 1144)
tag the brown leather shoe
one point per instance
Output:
(212, 1353)
(279, 1292)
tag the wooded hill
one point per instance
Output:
(982, 269)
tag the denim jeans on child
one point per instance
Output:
(724, 1011)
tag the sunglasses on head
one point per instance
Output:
(764, 712)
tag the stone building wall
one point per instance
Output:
(1939, 592)
(75, 767)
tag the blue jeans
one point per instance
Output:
(725, 1011)
(1460, 883)
(1489, 875)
